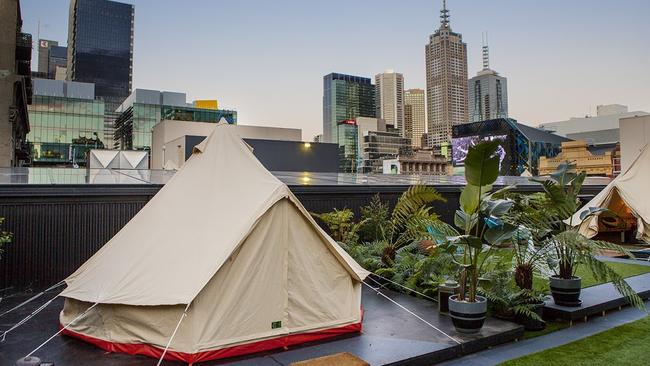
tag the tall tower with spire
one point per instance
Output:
(446, 71)
(488, 91)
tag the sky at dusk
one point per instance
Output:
(266, 59)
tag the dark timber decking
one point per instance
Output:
(598, 299)
(390, 336)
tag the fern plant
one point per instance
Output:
(340, 224)
(528, 243)
(506, 299)
(375, 215)
(408, 221)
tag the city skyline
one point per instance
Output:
(257, 75)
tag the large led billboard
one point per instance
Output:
(460, 146)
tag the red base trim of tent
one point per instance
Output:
(239, 350)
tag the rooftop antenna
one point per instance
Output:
(444, 15)
(486, 51)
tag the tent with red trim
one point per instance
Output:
(230, 243)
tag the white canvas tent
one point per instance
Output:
(627, 196)
(229, 239)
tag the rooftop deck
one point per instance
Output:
(390, 336)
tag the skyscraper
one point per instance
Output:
(100, 50)
(389, 88)
(414, 116)
(488, 92)
(44, 54)
(345, 97)
(446, 71)
(57, 57)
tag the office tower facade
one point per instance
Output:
(488, 92)
(345, 97)
(347, 136)
(145, 108)
(51, 56)
(380, 145)
(66, 121)
(15, 85)
(57, 59)
(389, 92)
(414, 116)
(446, 73)
(44, 54)
(100, 50)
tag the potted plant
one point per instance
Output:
(569, 248)
(481, 232)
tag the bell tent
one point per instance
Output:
(626, 197)
(225, 258)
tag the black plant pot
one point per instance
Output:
(566, 291)
(468, 317)
(533, 324)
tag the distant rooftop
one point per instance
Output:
(69, 176)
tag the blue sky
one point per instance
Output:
(266, 59)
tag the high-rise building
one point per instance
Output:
(100, 50)
(488, 92)
(347, 137)
(57, 59)
(51, 56)
(66, 121)
(145, 108)
(15, 85)
(345, 97)
(446, 72)
(389, 88)
(44, 54)
(414, 116)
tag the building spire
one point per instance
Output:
(444, 15)
(486, 51)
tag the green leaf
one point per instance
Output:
(499, 235)
(482, 163)
(461, 220)
(498, 208)
(469, 197)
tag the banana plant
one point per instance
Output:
(480, 228)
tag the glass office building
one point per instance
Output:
(65, 122)
(100, 51)
(100, 47)
(348, 141)
(145, 108)
(345, 97)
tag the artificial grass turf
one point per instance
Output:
(624, 269)
(623, 345)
